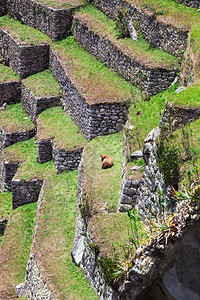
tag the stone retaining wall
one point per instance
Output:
(84, 255)
(66, 160)
(10, 138)
(174, 116)
(35, 285)
(25, 191)
(34, 105)
(157, 33)
(3, 223)
(144, 194)
(10, 92)
(54, 22)
(44, 150)
(8, 170)
(191, 3)
(24, 60)
(3, 8)
(151, 79)
(93, 120)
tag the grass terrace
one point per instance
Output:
(53, 243)
(43, 84)
(24, 34)
(140, 50)
(62, 4)
(56, 124)
(14, 118)
(170, 12)
(5, 205)
(7, 74)
(26, 153)
(92, 79)
(15, 249)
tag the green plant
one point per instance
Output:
(168, 156)
(121, 22)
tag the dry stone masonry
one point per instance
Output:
(155, 31)
(10, 138)
(44, 150)
(93, 120)
(151, 79)
(54, 22)
(24, 60)
(191, 3)
(3, 8)
(25, 191)
(10, 92)
(34, 105)
(8, 170)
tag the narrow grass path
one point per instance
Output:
(54, 239)
(15, 249)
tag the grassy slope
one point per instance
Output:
(5, 205)
(15, 249)
(92, 79)
(43, 84)
(54, 242)
(24, 34)
(140, 50)
(14, 119)
(54, 123)
(7, 74)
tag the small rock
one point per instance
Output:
(180, 89)
(20, 289)
(136, 155)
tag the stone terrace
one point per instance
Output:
(53, 18)
(151, 69)
(24, 49)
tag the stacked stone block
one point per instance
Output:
(25, 191)
(151, 79)
(3, 8)
(191, 3)
(44, 150)
(8, 172)
(34, 105)
(93, 120)
(10, 138)
(54, 22)
(24, 60)
(10, 92)
(155, 31)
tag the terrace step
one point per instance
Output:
(50, 270)
(53, 18)
(59, 138)
(15, 249)
(151, 69)
(15, 126)
(96, 98)
(39, 92)
(159, 21)
(23, 48)
(10, 89)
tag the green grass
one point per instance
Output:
(53, 242)
(103, 185)
(140, 50)
(54, 123)
(7, 74)
(25, 152)
(5, 205)
(14, 118)
(187, 98)
(43, 84)
(24, 34)
(62, 4)
(92, 79)
(15, 248)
